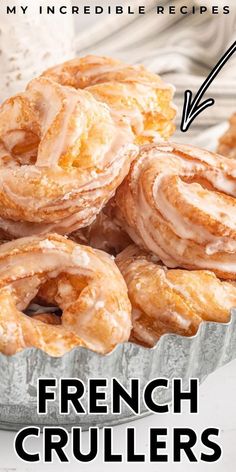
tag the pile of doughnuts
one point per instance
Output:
(108, 232)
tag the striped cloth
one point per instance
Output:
(182, 48)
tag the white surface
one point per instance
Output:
(217, 409)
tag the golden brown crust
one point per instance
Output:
(84, 283)
(62, 158)
(82, 72)
(48, 318)
(136, 95)
(171, 301)
(179, 202)
(227, 142)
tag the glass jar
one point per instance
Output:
(32, 42)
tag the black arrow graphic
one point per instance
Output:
(191, 109)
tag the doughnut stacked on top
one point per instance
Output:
(82, 155)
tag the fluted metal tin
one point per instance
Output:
(174, 356)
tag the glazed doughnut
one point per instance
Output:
(227, 142)
(62, 157)
(103, 234)
(171, 301)
(83, 282)
(135, 95)
(82, 72)
(179, 202)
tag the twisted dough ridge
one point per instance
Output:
(179, 202)
(136, 96)
(171, 301)
(86, 285)
(227, 142)
(62, 156)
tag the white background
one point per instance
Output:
(217, 409)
